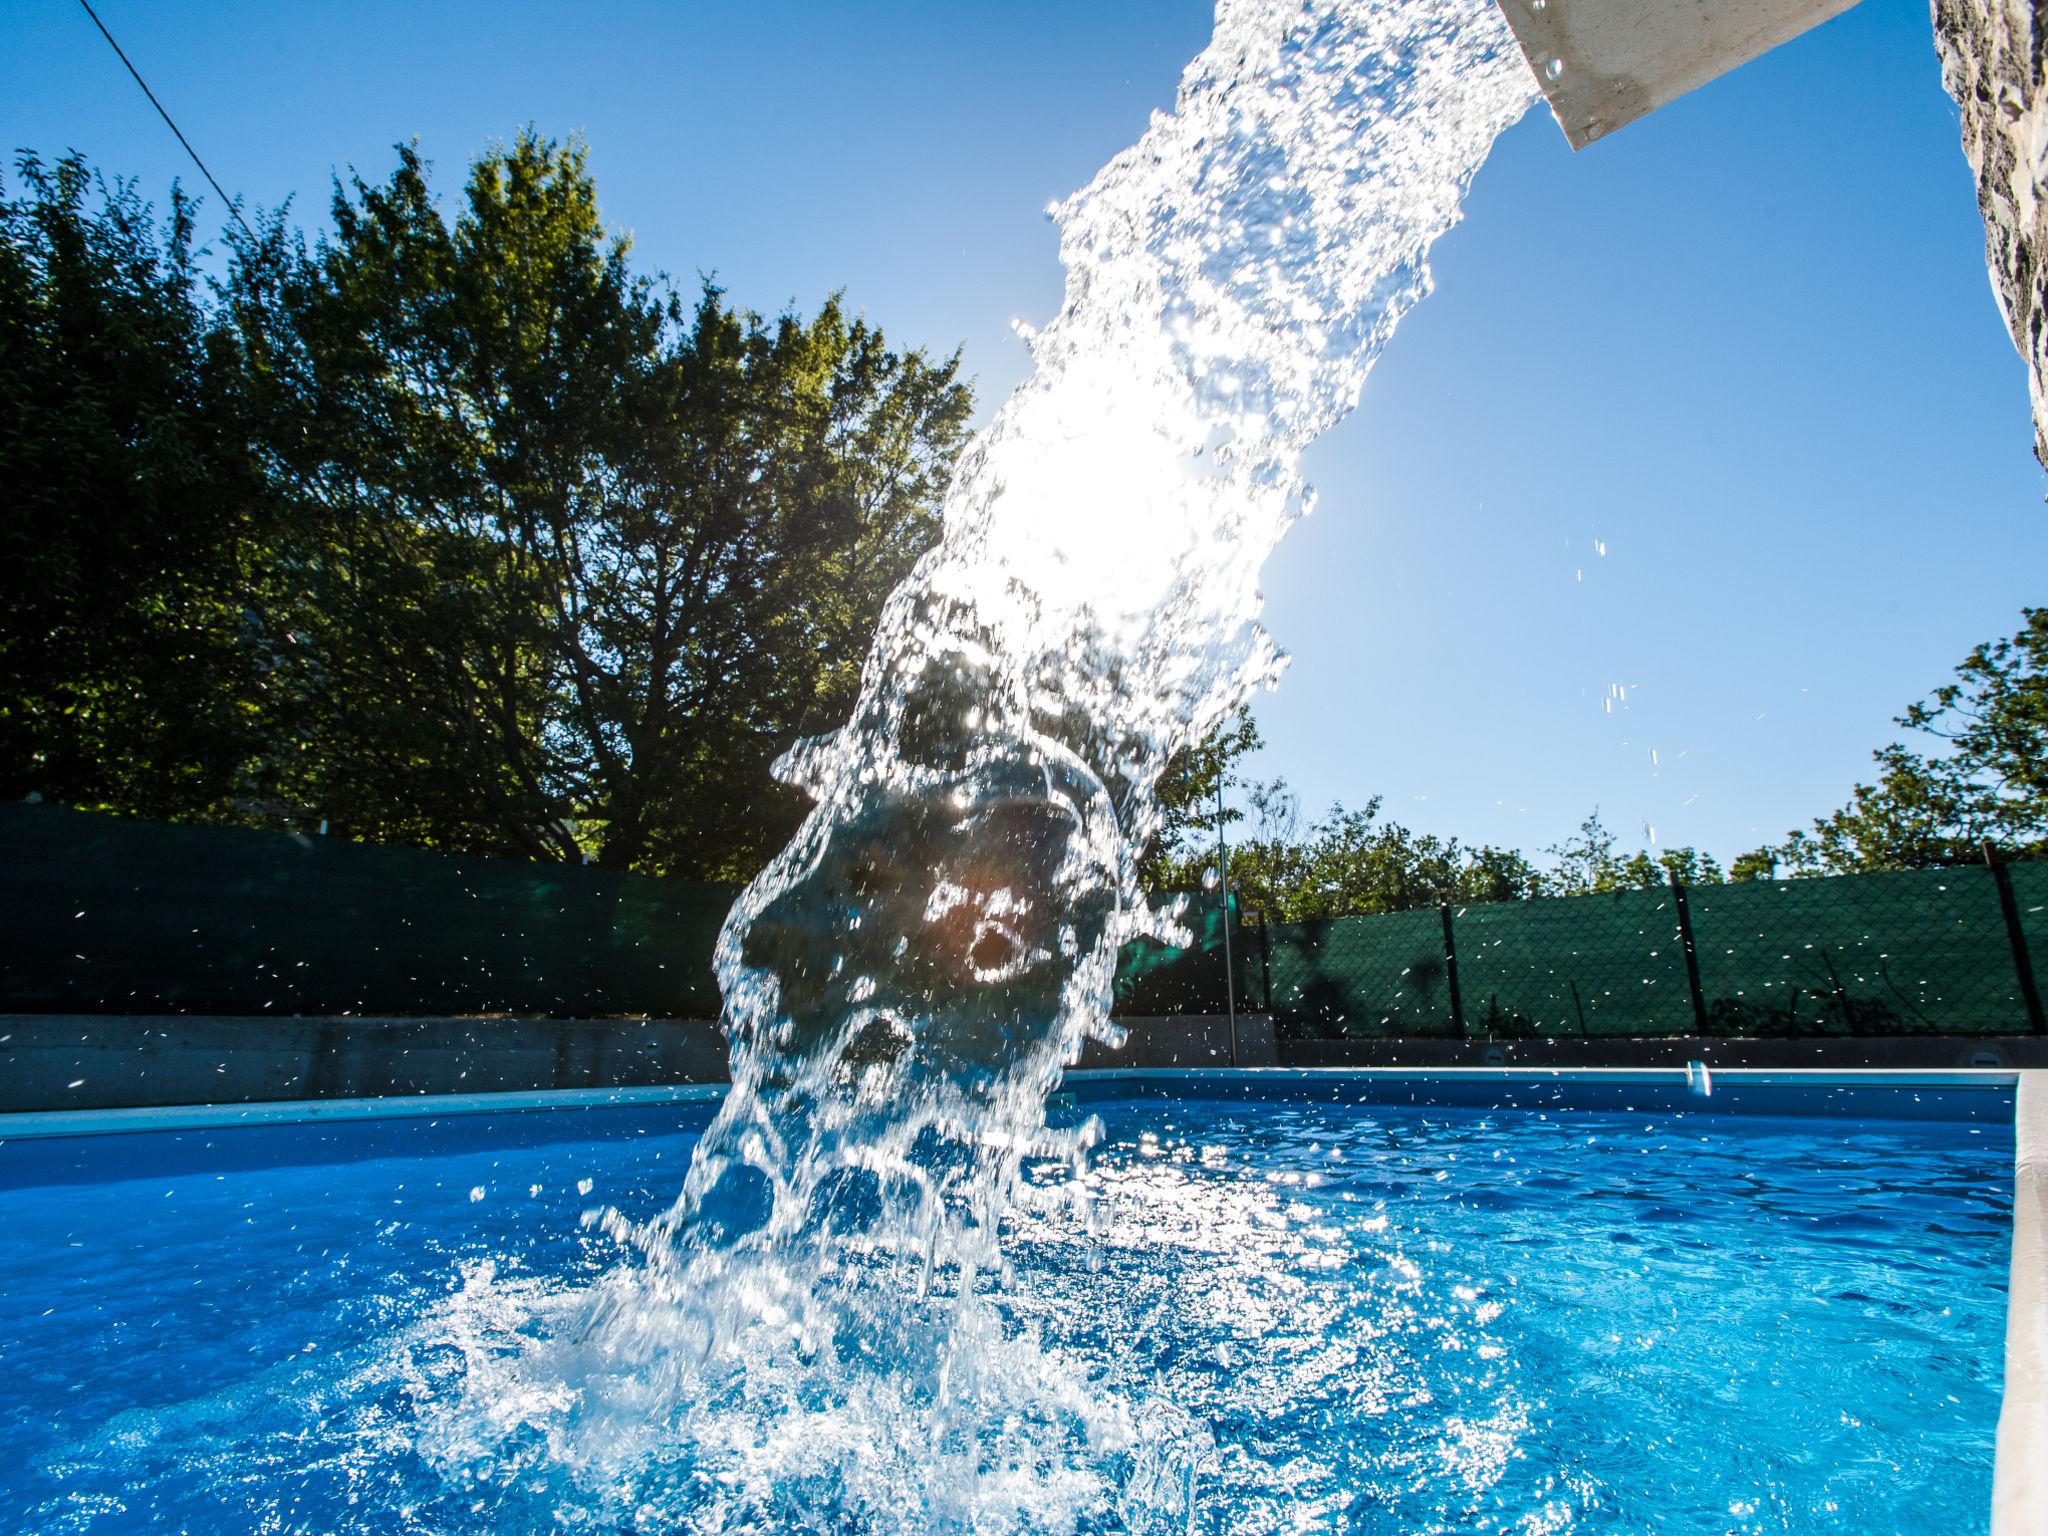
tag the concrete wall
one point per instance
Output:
(1910, 1052)
(89, 1061)
(111, 1061)
(100, 1061)
(1188, 1040)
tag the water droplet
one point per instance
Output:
(1211, 879)
(1554, 70)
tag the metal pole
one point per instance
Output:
(1692, 954)
(1229, 969)
(1451, 973)
(2022, 961)
(1265, 965)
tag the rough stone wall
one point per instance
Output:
(1992, 63)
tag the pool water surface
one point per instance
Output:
(1356, 1317)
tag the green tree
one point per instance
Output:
(719, 602)
(136, 532)
(448, 529)
(1498, 874)
(440, 391)
(1585, 862)
(1185, 847)
(1757, 864)
(1986, 781)
(1589, 862)
(590, 557)
(1351, 863)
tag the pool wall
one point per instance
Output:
(112, 1061)
(2019, 1498)
(108, 1061)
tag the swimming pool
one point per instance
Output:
(1372, 1303)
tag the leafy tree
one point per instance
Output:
(1187, 792)
(1757, 864)
(135, 526)
(1585, 862)
(1498, 874)
(1350, 863)
(437, 391)
(590, 557)
(1588, 863)
(1987, 781)
(1346, 863)
(721, 603)
(448, 529)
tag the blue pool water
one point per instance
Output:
(1361, 1317)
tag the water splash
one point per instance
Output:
(811, 1337)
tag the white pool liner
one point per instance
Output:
(2019, 1490)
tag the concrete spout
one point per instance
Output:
(1604, 63)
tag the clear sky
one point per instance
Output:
(1747, 346)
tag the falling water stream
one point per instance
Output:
(820, 1334)
(807, 1330)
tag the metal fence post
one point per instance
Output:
(1229, 965)
(2016, 936)
(1451, 972)
(1265, 964)
(1692, 954)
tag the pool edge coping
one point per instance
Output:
(38, 1124)
(1807, 1077)
(2019, 1483)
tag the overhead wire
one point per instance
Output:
(166, 116)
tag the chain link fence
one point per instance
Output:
(102, 915)
(99, 914)
(1944, 951)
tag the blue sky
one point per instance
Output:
(1747, 344)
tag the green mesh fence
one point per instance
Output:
(1154, 978)
(1360, 975)
(2030, 910)
(1911, 953)
(1612, 964)
(1914, 952)
(105, 915)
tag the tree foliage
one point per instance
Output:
(445, 529)
(449, 528)
(1353, 863)
(136, 529)
(1344, 864)
(1985, 778)
(1589, 862)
